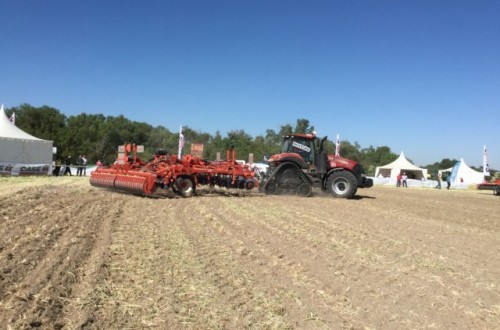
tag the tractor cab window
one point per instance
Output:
(303, 147)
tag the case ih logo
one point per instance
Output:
(301, 146)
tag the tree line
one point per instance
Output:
(98, 137)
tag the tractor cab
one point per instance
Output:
(309, 147)
(302, 144)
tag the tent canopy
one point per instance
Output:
(399, 166)
(19, 147)
(461, 173)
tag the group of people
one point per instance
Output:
(448, 181)
(402, 180)
(81, 165)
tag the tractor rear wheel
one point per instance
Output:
(185, 186)
(342, 184)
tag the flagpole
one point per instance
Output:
(337, 146)
(181, 143)
(486, 167)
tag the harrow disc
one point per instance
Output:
(105, 180)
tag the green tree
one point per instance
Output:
(441, 165)
(42, 122)
(285, 130)
(85, 134)
(216, 144)
(159, 138)
(303, 127)
(350, 151)
(241, 142)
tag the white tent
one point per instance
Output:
(22, 153)
(400, 165)
(462, 174)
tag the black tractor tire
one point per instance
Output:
(184, 186)
(342, 184)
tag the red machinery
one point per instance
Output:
(164, 171)
(495, 186)
(303, 164)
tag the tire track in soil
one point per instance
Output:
(243, 301)
(193, 278)
(427, 261)
(148, 260)
(376, 268)
(212, 261)
(45, 266)
(335, 262)
(275, 261)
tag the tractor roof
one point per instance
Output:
(304, 136)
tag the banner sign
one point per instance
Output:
(24, 169)
(486, 167)
(454, 171)
(197, 149)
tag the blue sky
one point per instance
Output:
(421, 77)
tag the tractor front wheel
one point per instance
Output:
(342, 184)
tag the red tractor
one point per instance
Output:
(303, 165)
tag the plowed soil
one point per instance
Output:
(75, 256)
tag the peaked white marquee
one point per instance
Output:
(462, 174)
(19, 147)
(399, 166)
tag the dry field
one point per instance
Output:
(77, 257)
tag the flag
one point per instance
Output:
(181, 143)
(486, 167)
(13, 118)
(337, 146)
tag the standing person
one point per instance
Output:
(84, 164)
(67, 162)
(398, 183)
(404, 178)
(438, 186)
(448, 181)
(79, 168)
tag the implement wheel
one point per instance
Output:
(342, 184)
(185, 186)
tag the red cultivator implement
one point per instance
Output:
(165, 172)
(494, 186)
